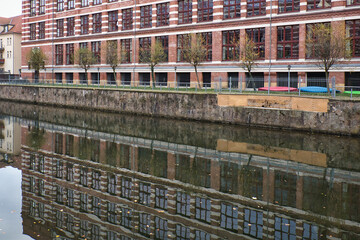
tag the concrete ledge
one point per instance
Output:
(278, 102)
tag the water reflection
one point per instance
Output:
(80, 182)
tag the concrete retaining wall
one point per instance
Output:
(341, 117)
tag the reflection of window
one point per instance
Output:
(229, 217)
(41, 209)
(83, 202)
(112, 184)
(70, 198)
(182, 167)
(252, 182)
(95, 232)
(69, 223)
(182, 232)
(111, 212)
(32, 211)
(96, 180)
(96, 206)
(59, 194)
(83, 177)
(59, 218)
(285, 228)
(32, 182)
(144, 154)
(32, 162)
(161, 228)
(59, 169)
(202, 209)
(183, 204)
(285, 189)
(253, 223)
(125, 149)
(41, 187)
(161, 198)
(126, 186)
(69, 172)
(228, 177)
(84, 228)
(144, 193)
(111, 235)
(41, 164)
(126, 215)
(310, 231)
(144, 224)
(200, 235)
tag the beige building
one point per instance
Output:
(10, 44)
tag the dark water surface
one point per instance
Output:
(72, 174)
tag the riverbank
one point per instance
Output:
(312, 114)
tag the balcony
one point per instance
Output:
(2, 60)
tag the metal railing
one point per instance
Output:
(255, 85)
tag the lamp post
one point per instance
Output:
(98, 76)
(175, 76)
(289, 67)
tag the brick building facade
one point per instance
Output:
(279, 29)
(93, 185)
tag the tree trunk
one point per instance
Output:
(252, 81)
(36, 76)
(86, 77)
(153, 76)
(197, 76)
(327, 80)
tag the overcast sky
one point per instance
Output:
(10, 8)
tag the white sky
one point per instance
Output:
(10, 8)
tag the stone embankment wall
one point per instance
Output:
(339, 117)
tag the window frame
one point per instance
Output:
(231, 9)
(60, 28)
(314, 4)
(162, 14)
(32, 31)
(70, 27)
(42, 7)
(256, 5)
(230, 46)
(70, 4)
(290, 42)
(353, 35)
(256, 35)
(42, 30)
(60, 5)
(205, 10)
(184, 11)
(84, 24)
(84, 3)
(32, 8)
(146, 16)
(113, 18)
(127, 19)
(97, 23)
(126, 47)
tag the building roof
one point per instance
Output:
(15, 21)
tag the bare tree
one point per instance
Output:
(36, 60)
(112, 57)
(328, 46)
(195, 52)
(153, 57)
(85, 58)
(248, 55)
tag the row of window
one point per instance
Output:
(287, 44)
(231, 8)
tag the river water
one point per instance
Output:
(72, 174)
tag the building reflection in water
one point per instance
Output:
(79, 184)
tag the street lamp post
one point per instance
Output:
(175, 76)
(289, 67)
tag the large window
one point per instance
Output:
(126, 187)
(207, 38)
(289, 6)
(257, 35)
(144, 50)
(70, 26)
(126, 215)
(229, 44)
(83, 202)
(232, 9)
(111, 212)
(288, 42)
(229, 217)
(256, 7)
(127, 19)
(253, 223)
(185, 11)
(71, 4)
(285, 228)
(126, 50)
(97, 2)
(146, 16)
(41, 30)
(182, 232)
(60, 5)
(59, 170)
(318, 4)
(205, 10)
(59, 54)
(144, 224)
(97, 23)
(42, 7)
(161, 226)
(33, 31)
(32, 8)
(84, 3)
(60, 27)
(70, 198)
(70, 54)
(111, 184)
(96, 206)
(165, 44)
(83, 177)
(353, 33)
(84, 24)
(352, 2)
(113, 21)
(96, 181)
(182, 43)
(162, 14)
